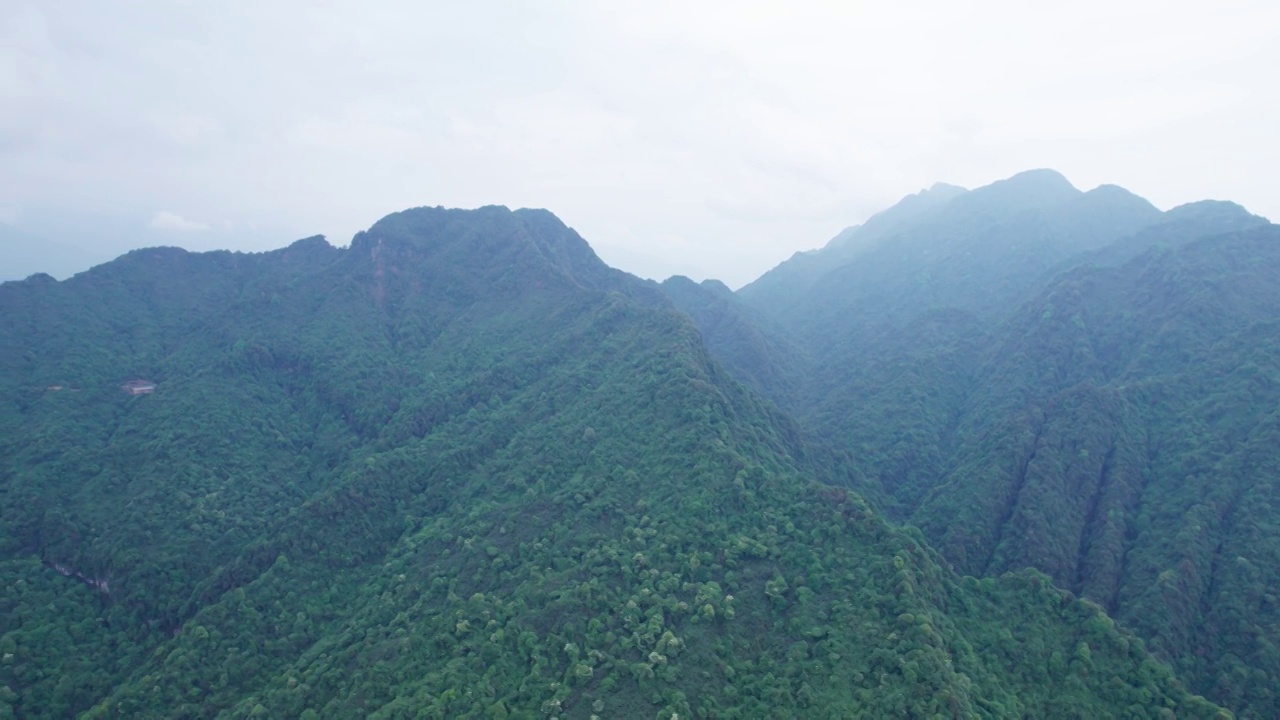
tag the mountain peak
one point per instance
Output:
(310, 243)
(491, 248)
(1109, 190)
(1038, 187)
(1219, 211)
(1115, 197)
(1027, 191)
(1038, 176)
(941, 188)
(476, 238)
(40, 279)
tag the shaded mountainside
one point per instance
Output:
(463, 469)
(1075, 382)
(1134, 413)
(760, 355)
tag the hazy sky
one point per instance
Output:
(708, 139)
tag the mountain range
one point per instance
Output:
(1040, 377)
(1003, 452)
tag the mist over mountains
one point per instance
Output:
(1002, 452)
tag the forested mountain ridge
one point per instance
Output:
(760, 354)
(1140, 451)
(464, 469)
(1069, 381)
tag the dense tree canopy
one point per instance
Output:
(1072, 382)
(464, 469)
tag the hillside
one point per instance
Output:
(1070, 381)
(1137, 455)
(464, 469)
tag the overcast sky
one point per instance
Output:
(706, 139)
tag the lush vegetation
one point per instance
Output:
(1073, 382)
(463, 469)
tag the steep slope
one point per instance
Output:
(804, 268)
(1074, 382)
(1131, 416)
(890, 338)
(761, 355)
(463, 469)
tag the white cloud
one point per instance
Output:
(165, 220)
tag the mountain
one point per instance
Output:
(464, 469)
(805, 267)
(1133, 412)
(760, 355)
(976, 252)
(1070, 381)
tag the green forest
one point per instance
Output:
(1039, 377)
(1003, 453)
